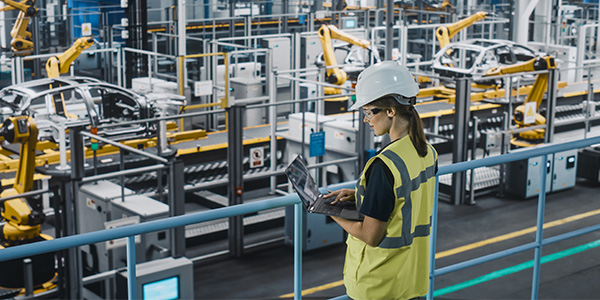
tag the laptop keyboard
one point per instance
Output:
(326, 208)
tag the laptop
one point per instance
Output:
(312, 198)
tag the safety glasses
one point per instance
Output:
(369, 113)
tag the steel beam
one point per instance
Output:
(235, 170)
(461, 126)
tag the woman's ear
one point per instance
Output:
(391, 112)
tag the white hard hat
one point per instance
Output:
(386, 78)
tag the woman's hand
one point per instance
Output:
(342, 195)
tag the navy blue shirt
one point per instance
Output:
(379, 198)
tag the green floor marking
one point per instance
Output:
(514, 269)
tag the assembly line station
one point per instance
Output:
(155, 134)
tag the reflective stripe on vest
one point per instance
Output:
(407, 187)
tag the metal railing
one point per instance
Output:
(542, 151)
(129, 232)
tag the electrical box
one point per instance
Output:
(340, 136)
(247, 88)
(565, 170)
(524, 176)
(310, 48)
(308, 91)
(281, 56)
(100, 206)
(310, 122)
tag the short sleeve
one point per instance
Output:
(379, 197)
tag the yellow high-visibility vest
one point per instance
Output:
(398, 268)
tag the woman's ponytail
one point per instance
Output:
(415, 131)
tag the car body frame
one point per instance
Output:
(54, 103)
(473, 58)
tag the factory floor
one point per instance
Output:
(570, 268)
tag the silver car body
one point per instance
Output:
(475, 57)
(85, 99)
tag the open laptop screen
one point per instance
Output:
(303, 182)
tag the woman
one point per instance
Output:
(388, 252)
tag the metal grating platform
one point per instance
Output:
(222, 225)
(485, 178)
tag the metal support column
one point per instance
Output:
(286, 10)
(72, 260)
(177, 206)
(232, 4)
(551, 104)
(461, 127)
(389, 29)
(317, 5)
(235, 170)
(137, 14)
(37, 70)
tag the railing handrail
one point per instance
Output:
(141, 228)
(292, 199)
(517, 155)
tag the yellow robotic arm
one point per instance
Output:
(21, 38)
(336, 75)
(23, 223)
(446, 32)
(60, 64)
(536, 95)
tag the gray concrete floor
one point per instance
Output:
(266, 272)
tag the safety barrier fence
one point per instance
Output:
(131, 231)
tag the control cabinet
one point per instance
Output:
(281, 56)
(100, 206)
(565, 170)
(524, 176)
(317, 230)
(248, 88)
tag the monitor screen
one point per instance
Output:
(164, 289)
(350, 23)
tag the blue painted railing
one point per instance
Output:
(542, 151)
(178, 221)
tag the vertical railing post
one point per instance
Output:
(28, 276)
(298, 251)
(177, 205)
(433, 239)
(272, 88)
(551, 104)
(74, 270)
(131, 265)
(235, 171)
(540, 226)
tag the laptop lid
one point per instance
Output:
(303, 183)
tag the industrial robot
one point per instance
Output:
(530, 137)
(446, 32)
(61, 63)
(20, 223)
(21, 38)
(336, 75)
